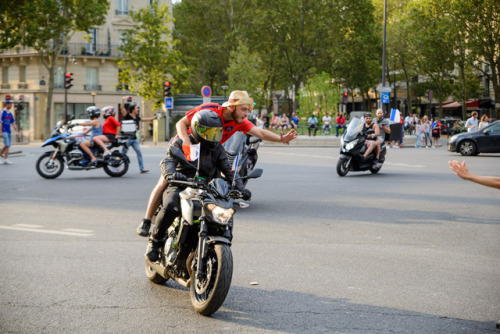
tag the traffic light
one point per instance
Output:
(345, 95)
(68, 77)
(167, 89)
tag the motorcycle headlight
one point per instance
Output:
(350, 145)
(219, 214)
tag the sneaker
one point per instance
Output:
(395, 146)
(93, 163)
(144, 171)
(106, 153)
(153, 250)
(2, 161)
(143, 228)
(7, 162)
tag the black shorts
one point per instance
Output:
(111, 137)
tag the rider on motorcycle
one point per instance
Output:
(111, 129)
(206, 130)
(371, 138)
(95, 130)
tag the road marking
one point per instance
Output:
(37, 229)
(77, 230)
(28, 226)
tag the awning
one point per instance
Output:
(471, 105)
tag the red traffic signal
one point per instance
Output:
(68, 77)
(167, 89)
(345, 95)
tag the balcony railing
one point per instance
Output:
(121, 12)
(5, 86)
(100, 50)
(22, 85)
(92, 87)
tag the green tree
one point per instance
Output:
(148, 58)
(46, 26)
(319, 93)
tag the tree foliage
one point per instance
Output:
(46, 26)
(148, 57)
(319, 93)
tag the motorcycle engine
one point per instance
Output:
(169, 250)
(75, 154)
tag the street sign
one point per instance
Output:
(384, 89)
(206, 91)
(169, 102)
(384, 97)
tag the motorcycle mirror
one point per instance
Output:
(253, 140)
(256, 173)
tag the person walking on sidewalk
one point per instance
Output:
(133, 114)
(7, 119)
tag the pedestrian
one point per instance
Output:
(133, 114)
(340, 120)
(436, 132)
(426, 126)
(312, 124)
(294, 121)
(275, 122)
(472, 123)
(484, 122)
(7, 119)
(418, 133)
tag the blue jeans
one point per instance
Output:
(419, 140)
(339, 126)
(7, 139)
(137, 148)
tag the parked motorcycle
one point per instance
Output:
(352, 148)
(51, 164)
(244, 148)
(196, 251)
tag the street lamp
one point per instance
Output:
(65, 90)
(93, 97)
(224, 88)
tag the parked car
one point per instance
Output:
(472, 143)
(447, 126)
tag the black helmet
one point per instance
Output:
(206, 127)
(108, 111)
(94, 112)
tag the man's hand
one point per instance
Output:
(460, 169)
(246, 194)
(177, 176)
(291, 135)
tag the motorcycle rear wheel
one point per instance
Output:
(48, 168)
(343, 166)
(119, 170)
(207, 295)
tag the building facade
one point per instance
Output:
(92, 62)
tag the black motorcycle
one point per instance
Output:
(244, 148)
(352, 148)
(196, 251)
(67, 152)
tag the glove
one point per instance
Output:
(177, 176)
(246, 194)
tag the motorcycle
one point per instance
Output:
(51, 164)
(196, 250)
(243, 148)
(353, 147)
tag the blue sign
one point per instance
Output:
(169, 102)
(206, 91)
(384, 97)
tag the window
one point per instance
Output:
(91, 47)
(92, 80)
(78, 110)
(59, 78)
(5, 75)
(22, 73)
(122, 7)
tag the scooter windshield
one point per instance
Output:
(354, 128)
(235, 143)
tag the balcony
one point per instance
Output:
(100, 50)
(22, 85)
(121, 12)
(92, 87)
(4, 86)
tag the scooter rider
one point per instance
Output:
(206, 130)
(370, 138)
(384, 128)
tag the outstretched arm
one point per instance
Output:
(268, 135)
(462, 171)
(182, 127)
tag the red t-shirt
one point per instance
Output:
(229, 127)
(340, 120)
(110, 125)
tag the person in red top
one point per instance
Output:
(340, 122)
(234, 114)
(110, 129)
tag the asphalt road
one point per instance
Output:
(413, 249)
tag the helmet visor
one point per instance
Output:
(209, 134)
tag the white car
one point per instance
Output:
(79, 128)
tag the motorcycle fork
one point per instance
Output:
(56, 152)
(202, 249)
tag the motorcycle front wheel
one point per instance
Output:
(208, 294)
(50, 168)
(114, 167)
(343, 166)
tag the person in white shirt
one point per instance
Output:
(472, 123)
(327, 120)
(484, 123)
